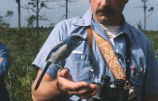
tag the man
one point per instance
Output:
(4, 66)
(75, 83)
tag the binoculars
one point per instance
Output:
(112, 91)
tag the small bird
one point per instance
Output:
(60, 52)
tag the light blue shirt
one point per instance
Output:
(142, 55)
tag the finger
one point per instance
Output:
(79, 85)
(88, 91)
(62, 72)
(68, 75)
(85, 92)
(94, 88)
(73, 87)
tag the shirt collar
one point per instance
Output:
(85, 20)
(125, 28)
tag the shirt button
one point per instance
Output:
(82, 57)
(119, 59)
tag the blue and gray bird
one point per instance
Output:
(60, 52)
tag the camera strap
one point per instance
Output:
(89, 32)
(128, 55)
(113, 63)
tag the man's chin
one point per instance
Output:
(103, 20)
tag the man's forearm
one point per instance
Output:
(44, 93)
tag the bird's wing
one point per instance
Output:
(54, 49)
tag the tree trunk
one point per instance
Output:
(145, 7)
(19, 15)
(37, 17)
(66, 9)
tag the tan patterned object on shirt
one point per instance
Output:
(110, 57)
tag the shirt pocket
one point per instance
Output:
(137, 75)
(79, 66)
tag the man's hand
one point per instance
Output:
(66, 85)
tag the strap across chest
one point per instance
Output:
(110, 56)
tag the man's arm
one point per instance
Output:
(151, 76)
(48, 89)
(44, 92)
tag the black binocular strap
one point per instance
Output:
(128, 55)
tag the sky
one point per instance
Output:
(133, 12)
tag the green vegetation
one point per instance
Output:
(153, 36)
(23, 47)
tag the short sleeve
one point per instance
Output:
(151, 80)
(4, 59)
(53, 39)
